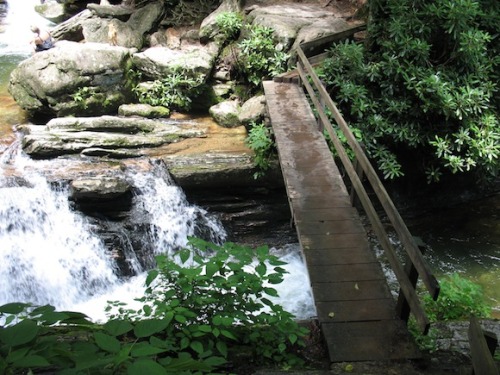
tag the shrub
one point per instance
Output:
(219, 301)
(459, 298)
(424, 84)
(261, 142)
(175, 91)
(230, 24)
(260, 55)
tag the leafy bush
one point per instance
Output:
(459, 298)
(175, 91)
(260, 56)
(218, 302)
(230, 24)
(424, 85)
(261, 142)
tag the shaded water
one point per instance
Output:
(466, 239)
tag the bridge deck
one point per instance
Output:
(353, 302)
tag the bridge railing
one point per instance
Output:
(416, 265)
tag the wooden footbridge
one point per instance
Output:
(358, 316)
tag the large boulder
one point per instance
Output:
(195, 60)
(72, 79)
(226, 113)
(131, 33)
(290, 20)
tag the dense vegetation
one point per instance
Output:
(424, 86)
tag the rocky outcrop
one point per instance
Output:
(73, 79)
(100, 136)
(130, 33)
(195, 60)
(296, 23)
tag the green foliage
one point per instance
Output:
(424, 84)
(260, 56)
(196, 312)
(82, 95)
(175, 91)
(230, 24)
(260, 140)
(218, 302)
(459, 298)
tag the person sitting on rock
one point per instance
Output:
(42, 40)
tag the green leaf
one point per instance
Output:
(261, 269)
(144, 349)
(215, 361)
(197, 347)
(211, 269)
(221, 347)
(271, 292)
(184, 255)
(19, 334)
(13, 308)
(118, 327)
(107, 343)
(146, 366)
(228, 334)
(151, 276)
(149, 327)
(32, 361)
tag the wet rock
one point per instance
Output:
(143, 110)
(71, 79)
(196, 61)
(253, 110)
(226, 113)
(114, 134)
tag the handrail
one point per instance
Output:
(306, 72)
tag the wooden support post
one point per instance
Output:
(402, 306)
(482, 348)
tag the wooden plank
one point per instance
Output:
(365, 341)
(310, 225)
(351, 291)
(345, 272)
(329, 257)
(355, 311)
(339, 241)
(482, 359)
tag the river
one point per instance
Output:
(464, 239)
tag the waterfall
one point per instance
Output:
(48, 254)
(15, 33)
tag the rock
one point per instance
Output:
(98, 188)
(195, 60)
(226, 113)
(101, 135)
(72, 79)
(143, 110)
(52, 11)
(130, 34)
(253, 109)
(287, 20)
(72, 30)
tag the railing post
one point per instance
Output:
(482, 348)
(359, 171)
(402, 307)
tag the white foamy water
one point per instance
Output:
(15, 32)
